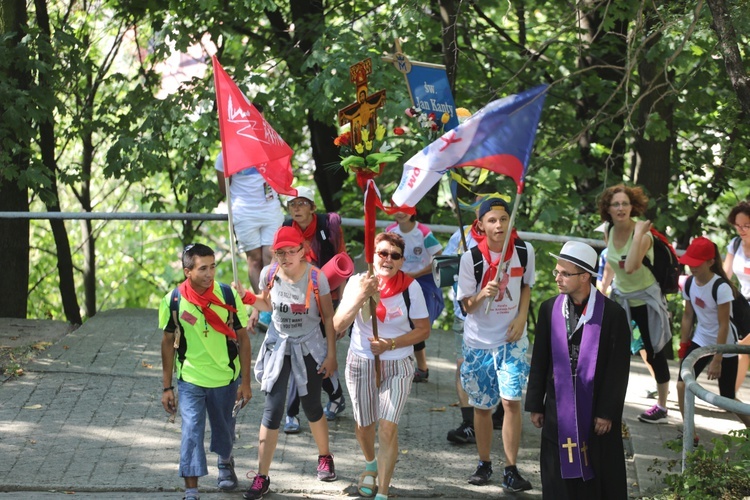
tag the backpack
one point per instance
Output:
(312, 285)
(174, 309)
(478, 260)
(665, 268)
(736, 244)
(740, 317)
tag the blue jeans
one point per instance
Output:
(194, 403)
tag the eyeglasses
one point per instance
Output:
(384, 254)
(300, 203)
(284, 253)
(743, 227)
(618, 204)
(565, 274)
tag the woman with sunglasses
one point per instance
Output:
(299, 297)
(737, 263)
(635, 287)
(402, 321)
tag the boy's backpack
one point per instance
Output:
(174, 309)
(740, 317)
(478, 261)
(665, 268)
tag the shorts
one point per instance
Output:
(370, 403)
(257, 230)
(490, 374)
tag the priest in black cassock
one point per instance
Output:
(577, 383)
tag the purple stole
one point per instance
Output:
(575, 404)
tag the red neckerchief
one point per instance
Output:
(309, 234)
(204, 301)
(485, 249)
(393, 286)
(476, 233)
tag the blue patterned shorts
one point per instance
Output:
(490, 374)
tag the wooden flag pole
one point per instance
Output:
(374, 317)
(500, 269)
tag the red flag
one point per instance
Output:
(247, 139)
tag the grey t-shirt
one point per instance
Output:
(291, 316)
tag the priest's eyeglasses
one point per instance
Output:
(564, 274)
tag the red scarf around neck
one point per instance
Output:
(485, 249)
(393, 286)
(204, 301)
(477, 233)
(309, 234)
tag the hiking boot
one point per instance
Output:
(513, 481)
(482, 474)
(227, 478)
(326, 469)
(259, 488)
(334, 407)
(291, 425)
(421, 375)
(463, 434)
(654, 415)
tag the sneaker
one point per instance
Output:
(696, 439)
(191, 496)
(421, 375)
(482, 474)
(326, 469)
(463, 434)
(258, 489)
(334, 407)
(227, 478)
(513, 481)
(650, 394)
(653, 415)
(291, 425)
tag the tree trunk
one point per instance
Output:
(654, 155)
(13, 197)
(727, 36)
(52, 201)
(450, 43)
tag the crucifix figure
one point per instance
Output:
(570, 445)
(363, 112)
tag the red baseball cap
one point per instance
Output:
(699, 251)
(287, 236)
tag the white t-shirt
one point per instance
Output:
(488, 331)
(396, 321)
(420, 246)
(249, 192)
(290, 314)
(741, 268)
(706, 311)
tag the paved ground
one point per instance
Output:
(86, 420)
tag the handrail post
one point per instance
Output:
(688, 424)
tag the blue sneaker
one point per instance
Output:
(291, 425)
(334, 407)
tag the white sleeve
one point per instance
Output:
(417, 308)
(467, 285)
(529, 276)
(724, 294)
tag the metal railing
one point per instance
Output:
(436, 228)
(693, 389)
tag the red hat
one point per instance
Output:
(700, 250)
(287, 236)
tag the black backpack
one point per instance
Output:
(740, 317)
(666, 268)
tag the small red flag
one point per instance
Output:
(247, 139)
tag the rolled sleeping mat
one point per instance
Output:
(445, 270)
(338, 269)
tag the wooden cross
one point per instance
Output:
(570, 447)
(585, 451)
(362, 112)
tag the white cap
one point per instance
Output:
(580, 254)
(303, 192)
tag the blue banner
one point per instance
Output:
(431, 92)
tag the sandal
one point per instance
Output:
(367, 483)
